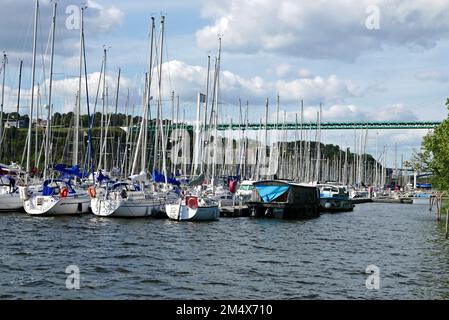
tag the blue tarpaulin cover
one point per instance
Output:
(67, 172)
(269, 193)
(159, 177)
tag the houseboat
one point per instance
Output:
(284, 200)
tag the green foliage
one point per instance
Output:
(435, 155)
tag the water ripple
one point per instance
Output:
(241, 258)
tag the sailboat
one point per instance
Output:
(9, 191)
(195, 205)
(136, 197)
(193, 208)
(57, 196)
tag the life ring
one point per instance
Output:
(64, 192)
(192, 203)
(92, 192)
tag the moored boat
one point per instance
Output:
(334, 198)
(193, 208)
(422, 198)
(129, 200)
(284, 200)
(58, 197)
(9, 191)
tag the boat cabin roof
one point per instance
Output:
(283, 182)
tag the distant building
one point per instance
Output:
(40, 123)
(13, 124)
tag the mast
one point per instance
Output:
(18, 102)
(156, 132)
(318, 153)
(217, 77)
(150, 76)
(18, 93)
(161, 49)
(117, 91)
(204, 134)
(266, 132)
(105, 54)
(301, 148)
(33, 79)
(5, 59)
(197, 135)
(78, 107)
(90, 159)
(50, 109)
(141, 132)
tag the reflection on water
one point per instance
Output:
(242, 258)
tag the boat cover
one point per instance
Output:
(269, 193)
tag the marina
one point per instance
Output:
(158, 178)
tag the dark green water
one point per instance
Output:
(242, 258)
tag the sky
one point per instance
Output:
(362, 59)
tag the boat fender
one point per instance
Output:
(64, 192)
(92, 192)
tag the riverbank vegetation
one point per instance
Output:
(434, 156)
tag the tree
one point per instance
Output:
(435, 155)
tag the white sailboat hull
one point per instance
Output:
(54, 206)
(125, 208)
(182, 212)
(11, 202)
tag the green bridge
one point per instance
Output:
(338, 125)
(330, 125)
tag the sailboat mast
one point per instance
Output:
(3, 97)
(18, 93)
(33, 79)
(78, 106)
(100, 164)
(50, 91)
(161, 49)
(150, 76)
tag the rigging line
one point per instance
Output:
(170, 83)
(44, 58)
(29, 15)
(40, 35)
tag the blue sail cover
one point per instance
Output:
(269, 193)
(159, 177)
(67, 172)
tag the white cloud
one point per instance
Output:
(283, 69)
(188, 80)
(395, 112)
(304, 73)
(18, 16)
(432, 75)
(322, 29)
(317, 89)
